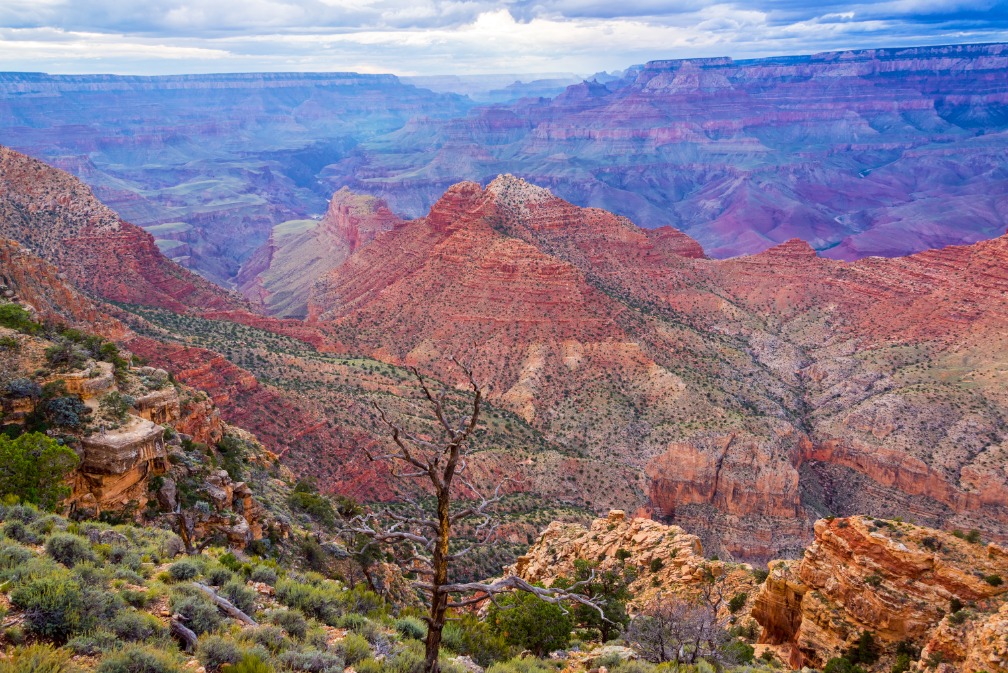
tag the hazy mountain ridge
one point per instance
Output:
(875, 152)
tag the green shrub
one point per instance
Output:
(321, 603)
(16, 317)
(240, 595)
(273, 638)
(185, 569)
(480, 642)
(250, 663)
(263, 574)
(737, 602)
(530, 623)
(873, 580)
(355, 648)
(69, 549)
(368, 666)
(196, 610)
(760, 575)
(136, 598)
(137, 626)
(215, 651)
(520, 665)
(93, 643)
(35, 468)
(218, 576)
(902, 663)
(656, 565)
(993, 580)
(405, 661)
(841, 665)
(306, 498)
(452, 637)
(136, 658)
(312, 661)
(973, 536)
(17, 530)
(53, 607)
(291, 621)
(411, 627)
(37, 658)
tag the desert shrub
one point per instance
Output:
(291, 621)
(250, 663)
(530, 623)
(197, 611)
(873, 580)
(480, 642)
(53, 606)
(16, 317)
(93, 643)
(136, 598)
(137, 626)
(321, 603)
(408, 660)
(125, 557)
(272, 637)
(865, 650)
(737, 602)
(306, 498)
(368, 666)
(37, 658)
(355, 648)
(215, 651)
(115, 406)
(363, 601)
(973, 536)
(22, 388)
(66, 412)
(521, 665)
(368, 629)
(17, 530)
(993, 580)
(185, 569)
(656, 565)
(263, 574)
(352, 621)
(312, 661)
(411, 627)
(34, 467)
(136, 658)
(842, 665)
(218, 576)
(240, 595)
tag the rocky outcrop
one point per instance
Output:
(897, 581)
(280, 274)
(664, 559)
(116, 466)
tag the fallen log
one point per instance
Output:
(183, 633)
(225, 606)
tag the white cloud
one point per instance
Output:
(462, 36)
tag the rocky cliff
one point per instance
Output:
(279, 275)
(915, 589)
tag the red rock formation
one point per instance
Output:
(56, 217)
(892, 579)
(279, 275)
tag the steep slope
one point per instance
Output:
(57, 217)
(749, 395)
(279, 275)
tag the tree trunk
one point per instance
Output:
(439, 599)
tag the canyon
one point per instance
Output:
(881, 152)
(741, 399)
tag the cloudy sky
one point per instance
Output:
(422, 37)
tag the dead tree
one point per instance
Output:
(423, 538)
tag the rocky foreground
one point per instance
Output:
(936, 597)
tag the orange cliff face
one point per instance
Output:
(895, 580)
